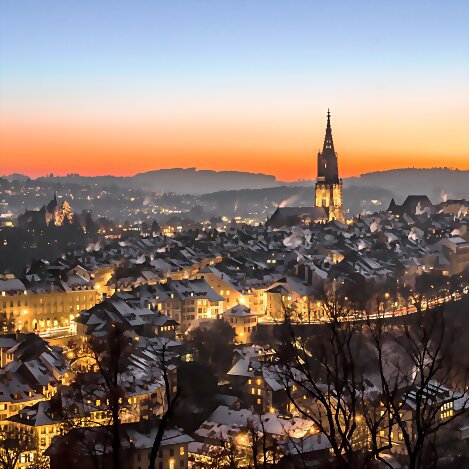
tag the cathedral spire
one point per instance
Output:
(328, 142)
(327, 159)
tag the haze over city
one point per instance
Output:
(114, 87)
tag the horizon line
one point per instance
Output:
(195, 169)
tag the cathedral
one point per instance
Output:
(328, 192)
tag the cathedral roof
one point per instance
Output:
(291, 216)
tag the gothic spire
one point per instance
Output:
(327, 159)
(328, 142)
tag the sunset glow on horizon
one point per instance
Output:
(107, 89)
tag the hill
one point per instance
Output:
(437, 183)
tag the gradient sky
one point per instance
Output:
(120, 87)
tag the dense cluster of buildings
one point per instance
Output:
(128, 306)
(199, 275)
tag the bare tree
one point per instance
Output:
(415, 392)
(418, 392)
(172, 400)
(108, 355)
(96, 399)
(7, 323)
(15, 441)
(264, 448)
(226, 455)
(323, 378)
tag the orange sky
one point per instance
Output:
(271, 146)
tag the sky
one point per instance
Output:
(121, 87)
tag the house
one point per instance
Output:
(242, 320)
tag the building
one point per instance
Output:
(187, 300)
(50, 214)
(43, 306)
(222, 284)
(291, 216)
(421, 204)
(433, 400)
(226, 426)
(114, 310)
(328, 192)
(31, 371)
(454, 255)
(73, 449)
(243, 321)
(413, 205)
(290, 296)
(256, 379)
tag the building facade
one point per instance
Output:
(47, 308)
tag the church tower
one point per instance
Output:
(328, 185)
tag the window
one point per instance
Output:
(181, 451)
